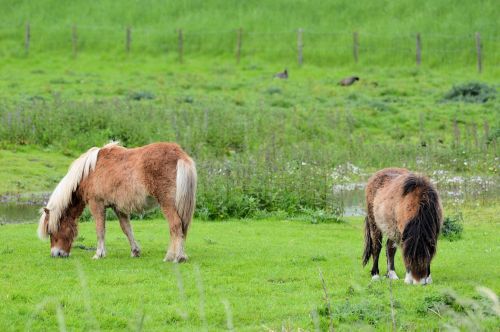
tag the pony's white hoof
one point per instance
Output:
(392, 275)
(375, 277)
(99, 255)
(408, 279)
(426, 281)
(169, 257)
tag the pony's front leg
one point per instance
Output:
(390, 249)
(408, 278)
(98, 211)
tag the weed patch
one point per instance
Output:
(473, 92)
(142, 95)
(453, 227)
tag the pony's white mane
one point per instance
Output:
(61, 196)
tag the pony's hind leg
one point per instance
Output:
(135, 251)
(98, 211)
(391, 252)
(376, 237)
(175, 251)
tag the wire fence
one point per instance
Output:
(300, 46)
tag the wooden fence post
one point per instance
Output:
(478, 49)
(180, 45)
(27, 37)
(238, 45)
(300, 46)
(355, 46)
(419, 50)
(128, 39)
(74, 40)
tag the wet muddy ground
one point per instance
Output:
(454, 190)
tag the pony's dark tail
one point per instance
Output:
(422, 230)
(368, 243)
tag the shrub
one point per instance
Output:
(321, 216)
(472, 92)
(453, 227)
(142, 95)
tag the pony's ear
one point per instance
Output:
(46, 210)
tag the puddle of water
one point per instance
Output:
(352, 196)
(452, 189)
(11, 213)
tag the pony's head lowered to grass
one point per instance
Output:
(58, 218)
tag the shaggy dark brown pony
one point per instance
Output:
(406, 208)
(127, 180)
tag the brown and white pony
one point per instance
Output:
(406, 208)
(125, 180)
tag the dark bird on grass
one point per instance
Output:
(349, 80)
(283, 75)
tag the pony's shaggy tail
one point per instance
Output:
(368, 243)
(185, 194)
(422, 230)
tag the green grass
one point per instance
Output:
(260, 144)
(387, 29)
(268, 272)
(43, 96)
(37, 170)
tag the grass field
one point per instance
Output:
(38, 170)
(260, 144)
(277, 160)
(266, 272)
(387, 30)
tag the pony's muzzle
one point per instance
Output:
(57, 252)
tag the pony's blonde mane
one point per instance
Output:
(61, 196)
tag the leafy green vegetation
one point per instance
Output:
(261, 144)
(453, 227)
(472, 92)
(266, 272)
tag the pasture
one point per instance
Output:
(261, 144)
(262, 274)
(277, 237)
(281, 154)
(269, 151)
